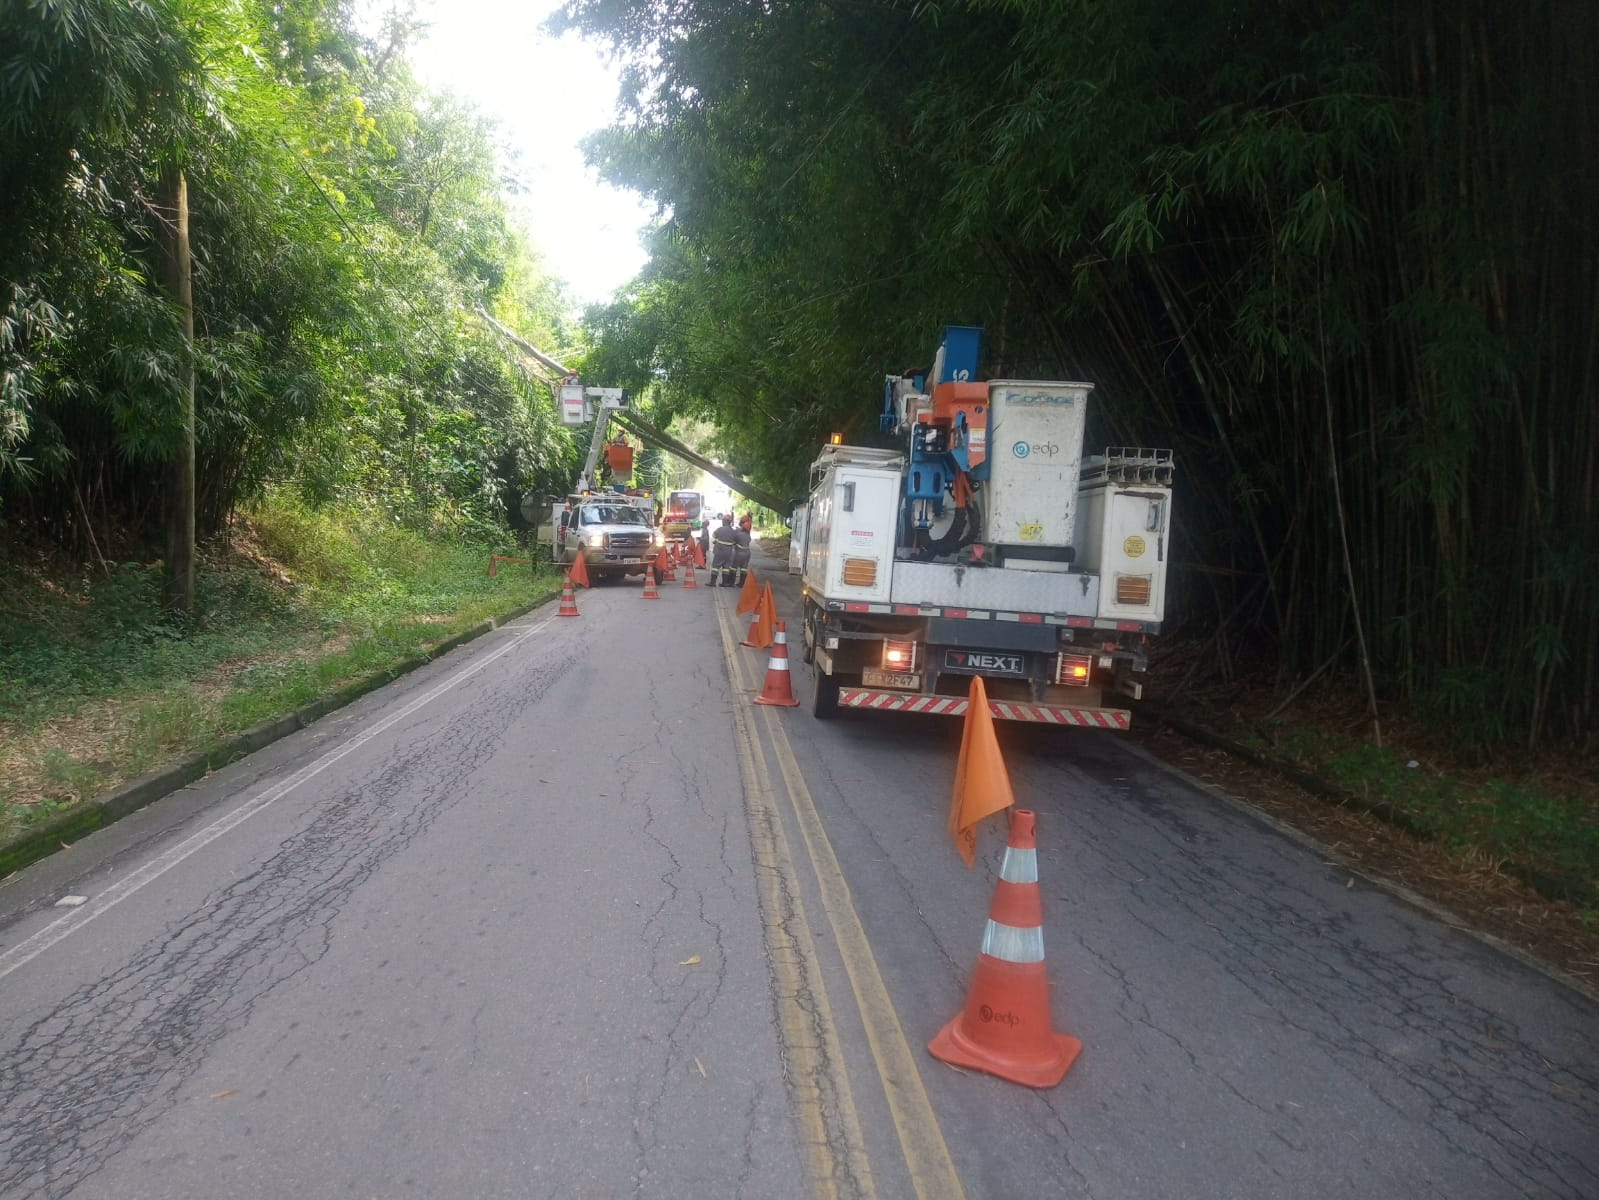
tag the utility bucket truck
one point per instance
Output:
(984, 544)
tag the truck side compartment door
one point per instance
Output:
(861, 554)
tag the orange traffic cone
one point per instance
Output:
(650, 592)
(579, 574)
(768, 616)
(778, 690)
(760, 634)
(668, 571)
(568, 600)
(749, 600)
(688, 573)
(1005, 1028)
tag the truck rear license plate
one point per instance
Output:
(873, 677)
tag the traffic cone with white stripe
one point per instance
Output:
(688, 572)
(568, 600)
(650, 590)
(778, 689)
(1005, 1028)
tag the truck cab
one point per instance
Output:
(613, 532)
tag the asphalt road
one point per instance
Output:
(565, 915)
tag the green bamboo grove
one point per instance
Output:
(1340, 257)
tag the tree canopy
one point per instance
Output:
(1339, 256)
(346, 224)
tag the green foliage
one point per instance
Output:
(97, 685)
(1277, 237)
(1505, 820)
(344, 224)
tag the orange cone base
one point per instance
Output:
(778, 691)
(1005, 1028)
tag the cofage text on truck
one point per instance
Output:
(986, 545)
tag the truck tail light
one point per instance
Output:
(860, 572)
(1133, 589)
(1072, 670)
(899, 656)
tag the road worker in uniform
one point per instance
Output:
(741, 550)
(723, 542)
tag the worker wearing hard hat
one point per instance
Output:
(723, 542)
(741, 550)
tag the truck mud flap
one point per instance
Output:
(1004, 710)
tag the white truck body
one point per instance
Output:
(1035, 447)
(1052, 605)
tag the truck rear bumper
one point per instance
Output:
(1004, 710)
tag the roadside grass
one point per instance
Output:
(99, 685)
(1539, 824)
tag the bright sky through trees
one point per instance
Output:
(546, 95)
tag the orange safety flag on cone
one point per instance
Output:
(762, 622)
(749, 600)
(982, 784)
(579, 574)
(768, 616)
(699, 556)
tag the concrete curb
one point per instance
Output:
(60, 832)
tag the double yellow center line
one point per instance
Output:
(818, 1076)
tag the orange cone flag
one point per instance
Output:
(749, 600)
(761, 622)
(579, 574)
(1005, 1028)
(768, 616)
(982, 784)
(699, 556)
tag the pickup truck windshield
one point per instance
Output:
(614, 514)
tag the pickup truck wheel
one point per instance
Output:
(824, 699)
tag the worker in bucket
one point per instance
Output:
(741, 550)
(723, 543)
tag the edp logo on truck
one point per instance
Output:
(1028, 449)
